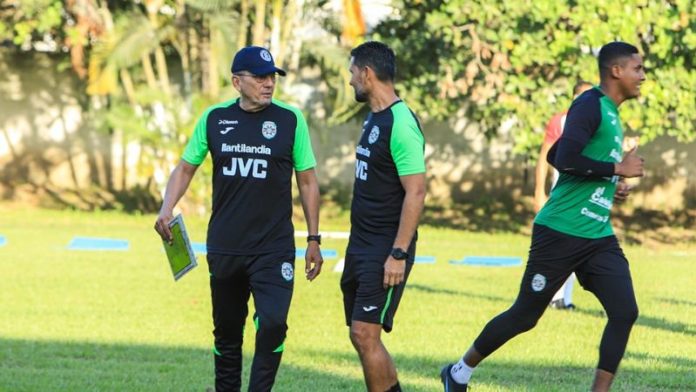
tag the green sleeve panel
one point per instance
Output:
(407, 143)
(197, 147)
(302, 153)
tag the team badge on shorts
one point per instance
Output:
(286, 271)
(268, 129)
(374, 135)
(538, 282)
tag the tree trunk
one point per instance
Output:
(213, 71)
(128, 88)
(276, 11)
(294, 43)
(204, 56)
(162, 70)
(290, 15)
(194, 55)
(259, 36)
(243, 25)
(149, 71)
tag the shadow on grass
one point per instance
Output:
(431, 290)
(643, 320)
(27, 365)
(676, 361)
(650, 322)
(525, 376)
(79, 366)
(674, 301)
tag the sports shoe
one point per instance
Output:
(560, 304)
(448, 382)
(557, 304)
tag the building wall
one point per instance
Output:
(45, 145)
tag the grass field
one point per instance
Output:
(116, 321)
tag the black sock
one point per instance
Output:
(395, 388)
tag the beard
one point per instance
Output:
(360, 96)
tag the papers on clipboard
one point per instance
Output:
(179, 253)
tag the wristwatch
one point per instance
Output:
(316, 238)
(399, 254)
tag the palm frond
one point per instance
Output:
(134, 36)
(225, 47)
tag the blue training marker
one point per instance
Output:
(199, 247)
(87, 243)
(3, 241)
(488, 261)
(325, 253)
(425, 260)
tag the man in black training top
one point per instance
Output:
(572, 232)
(256, 143)
(388, 197)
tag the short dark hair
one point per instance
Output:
(378, 56)
(612, 52)
(579, 85)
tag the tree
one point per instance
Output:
(127, 53)
(515, 61)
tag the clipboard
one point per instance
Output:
(179, 254)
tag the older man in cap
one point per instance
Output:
(256, 143)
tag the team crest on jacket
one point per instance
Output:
(374, 135)
(268, 129)
(286, 271)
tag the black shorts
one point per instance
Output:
(364, 296)
(553, 256)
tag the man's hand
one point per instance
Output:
(313, 260)
(162, 225)
(622, 192)
(631, 166)
(178, 182)
(393, 272)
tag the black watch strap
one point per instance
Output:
(316, 238)
(399, 254)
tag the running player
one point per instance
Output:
(572, 232)
(388, 197)
(256, 143)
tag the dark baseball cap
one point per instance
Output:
(256, 60)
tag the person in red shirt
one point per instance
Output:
(563, 299)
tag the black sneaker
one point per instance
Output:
(448, 382)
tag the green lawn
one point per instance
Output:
(116, 321)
